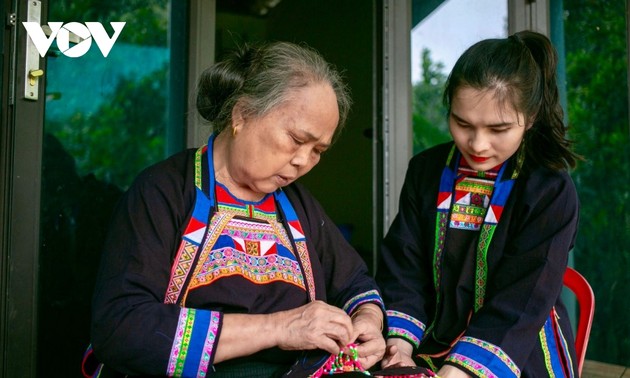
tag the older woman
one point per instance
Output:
(217, 262)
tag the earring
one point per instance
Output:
(234, 131)
(520, 158)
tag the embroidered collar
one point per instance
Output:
(285, 211)
(502, 188)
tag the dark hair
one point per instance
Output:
(522, 71)
(262, 77)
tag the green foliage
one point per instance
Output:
(597, 91)
(124, 135)
(146, 20)
(429, 115)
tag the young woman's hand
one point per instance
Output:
(397, 354)
(448, 371)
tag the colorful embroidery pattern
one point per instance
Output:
(555, 348)
(181, 343)
(494, 204)
(472, 197)
(254, 238)
(405, 334)
(192, 238)
(208, 346)
(227, 262)
(263, 210)
(180, 270)
(371, 296)
(405, 326)
(472, 365)
(481, 270)
(254, 249)
(440, 238)
(262, 253)
(486, 355)
(299, 240)
(192, 348)
(306, 265)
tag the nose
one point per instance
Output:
(300, 159)
(305, 157)
(478, 142)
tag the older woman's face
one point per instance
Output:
(276, 149)
(485, 132)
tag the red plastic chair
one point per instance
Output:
(575, 282)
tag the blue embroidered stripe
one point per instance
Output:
(289, 212)
(202, 206)
(549, 339)
(483, 358)
(197, 343)
(371, 296)
(401, 321)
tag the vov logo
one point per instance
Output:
(86, 33)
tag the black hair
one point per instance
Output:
(521, 69)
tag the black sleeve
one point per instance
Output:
(132, 329)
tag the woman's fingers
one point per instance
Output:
(396, 357)
(316, 325)
(370, 352)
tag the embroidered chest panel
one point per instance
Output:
(247, 240)
(473, 191)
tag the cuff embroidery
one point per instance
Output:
(483, 359)
(193, 346)
(405, 326)
(371, 296)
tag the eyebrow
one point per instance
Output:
(310, 136)
(493, 125)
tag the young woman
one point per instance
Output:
(472, 266)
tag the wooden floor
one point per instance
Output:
(594, 369)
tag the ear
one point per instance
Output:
(238, 117)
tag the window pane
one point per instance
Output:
(105, 120)
(440, 34)
(592, 38)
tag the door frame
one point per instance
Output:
(20, 164)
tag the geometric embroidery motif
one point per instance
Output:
(227, 262)
(472, 197)
(252, 248)
(249, 249)
(180, 271)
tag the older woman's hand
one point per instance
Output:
(367, 321)
(316, 325)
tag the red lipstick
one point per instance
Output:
(478, 159)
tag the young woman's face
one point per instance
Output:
(276, 149)
(485, 132)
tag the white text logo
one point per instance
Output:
(61, 32)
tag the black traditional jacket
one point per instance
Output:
(523, 328)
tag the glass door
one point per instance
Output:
(106, 118)
(592, 39)
(101, 96)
